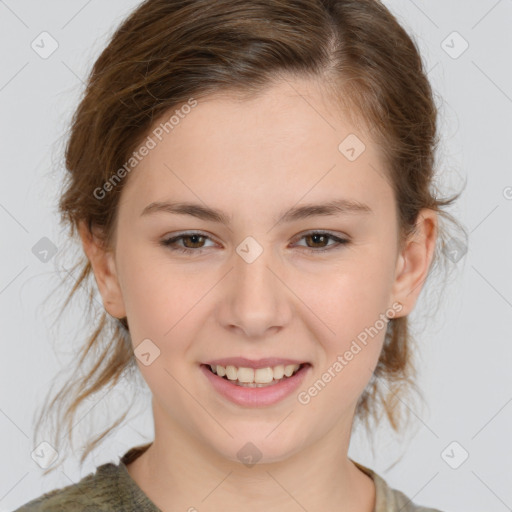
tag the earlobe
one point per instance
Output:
(105, 274)
(414, 261)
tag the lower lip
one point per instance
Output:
(256, 397)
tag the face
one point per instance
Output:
(257, 283)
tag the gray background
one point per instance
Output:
(465, 347)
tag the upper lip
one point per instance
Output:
(253, 363)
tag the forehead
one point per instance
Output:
(288, 142)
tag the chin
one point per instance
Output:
(255, 446)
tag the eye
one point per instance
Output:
(320, 237)
(196, 240)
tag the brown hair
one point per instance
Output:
(169, 51)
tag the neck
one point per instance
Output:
(179, 472)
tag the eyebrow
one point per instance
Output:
(330, 208)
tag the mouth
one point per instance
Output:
(255, 377)
(255, 387)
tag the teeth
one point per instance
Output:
(258, 376)
(263, 375)
(231, 372)
(246, 375)
(279, 372)
(289, 369)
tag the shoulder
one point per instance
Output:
(391, 500)
(400, 502)
(97, 492)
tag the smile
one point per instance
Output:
(242, 385)
(259, 377)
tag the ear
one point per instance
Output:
(414, 261)
(104, 268)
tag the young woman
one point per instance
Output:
(251, 182)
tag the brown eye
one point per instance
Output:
(193, 242)
(196, 239)
(319, 239)
(316, 241)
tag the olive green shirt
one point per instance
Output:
(111, 488)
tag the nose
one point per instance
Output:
(255, 301)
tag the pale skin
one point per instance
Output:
(253, 159)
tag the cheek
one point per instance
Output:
(158, 297)
(348, 297)
(161, 304)
(350, 347)
(350, 304)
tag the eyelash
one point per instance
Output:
(170, 241)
